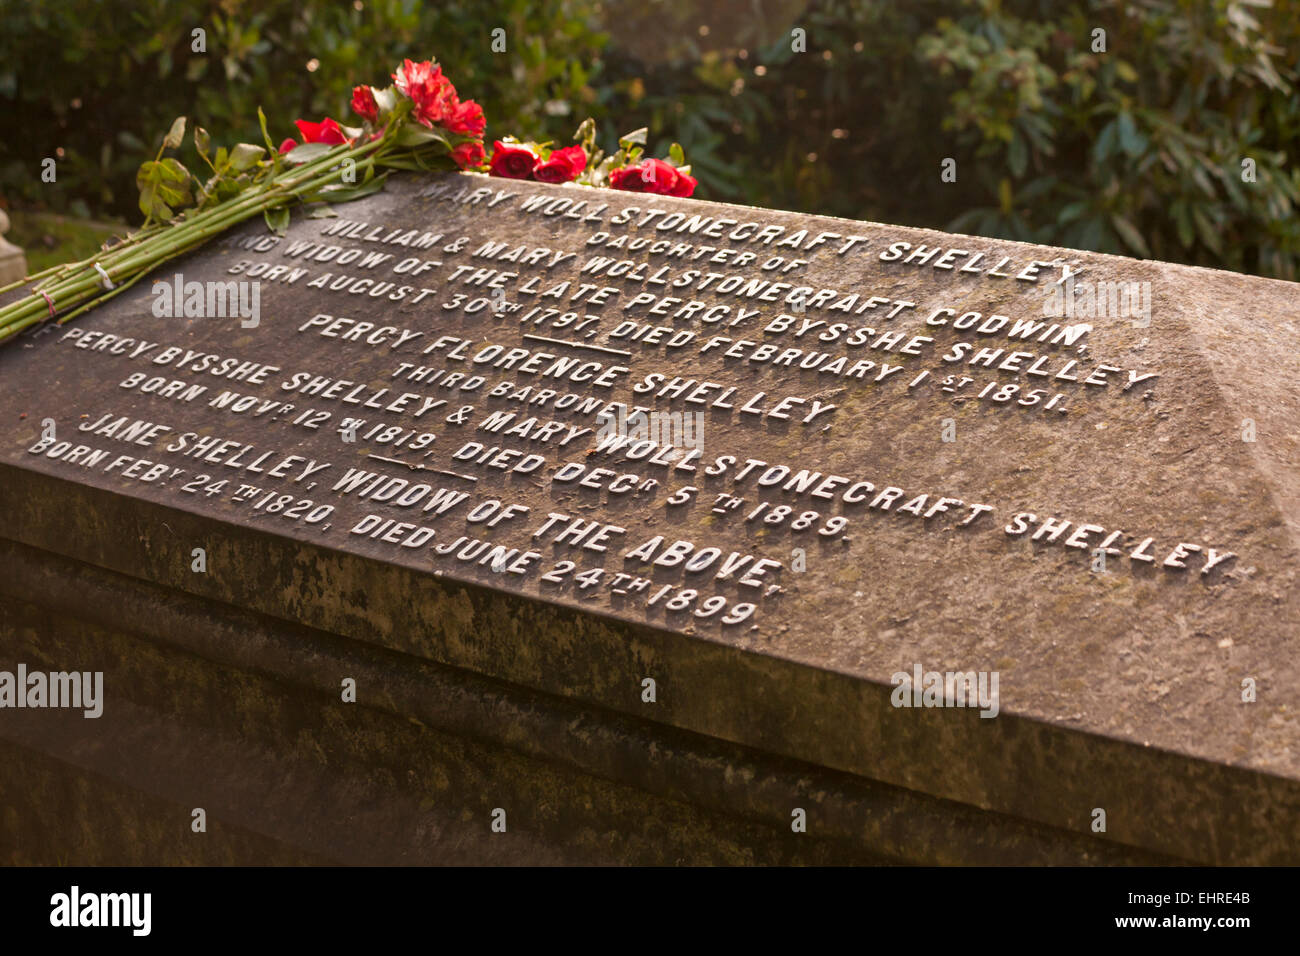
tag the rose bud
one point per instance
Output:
(326, 131)
(363, 103)
(468, 155)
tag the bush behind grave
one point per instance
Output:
(1137, 150)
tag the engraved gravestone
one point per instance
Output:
(1004, 529)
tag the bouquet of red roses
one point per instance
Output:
(419, 122)
(625, 169)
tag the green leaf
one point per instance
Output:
(1105, 143)
(277, 220)
(155, 171)
(1209, 235)
(1201, 179)
(1130, 140)
(634, 138)
(1073, 211)
(409, 161)
(153, 194)
(266, 136)
(342, 193)
(173, 183)
(675, 155)
(226, 189)
(1183, 219)
(307, 152)
(385, 100)
(202, 142)
(176, 135)
(1018, 155)
(322, 212)
(174, 171)
(1091, 233)
(1129, 233)
(585, 134)
(153, 207)
(416, 135)
(244, 156)
(149, 173)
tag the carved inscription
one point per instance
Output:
(608, 399)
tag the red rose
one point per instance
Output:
(466, 119)
(326, 131)
(512, 162)
(468, 155)
(663, 176)
(653, 176)
(432, 93)
(629, 179)
(685, 185)
(563, 166)
(363, 103)
(411, 75)
(647, 176)
(289, 145)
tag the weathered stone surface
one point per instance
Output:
(1120, 689)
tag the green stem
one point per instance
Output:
(65, 268)
(13, 329)
(71, 289)
(117, 290)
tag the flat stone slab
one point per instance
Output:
(784, 466)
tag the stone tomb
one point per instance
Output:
(493, 521)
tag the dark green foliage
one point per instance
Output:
(1135, 150)
(98, 78)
